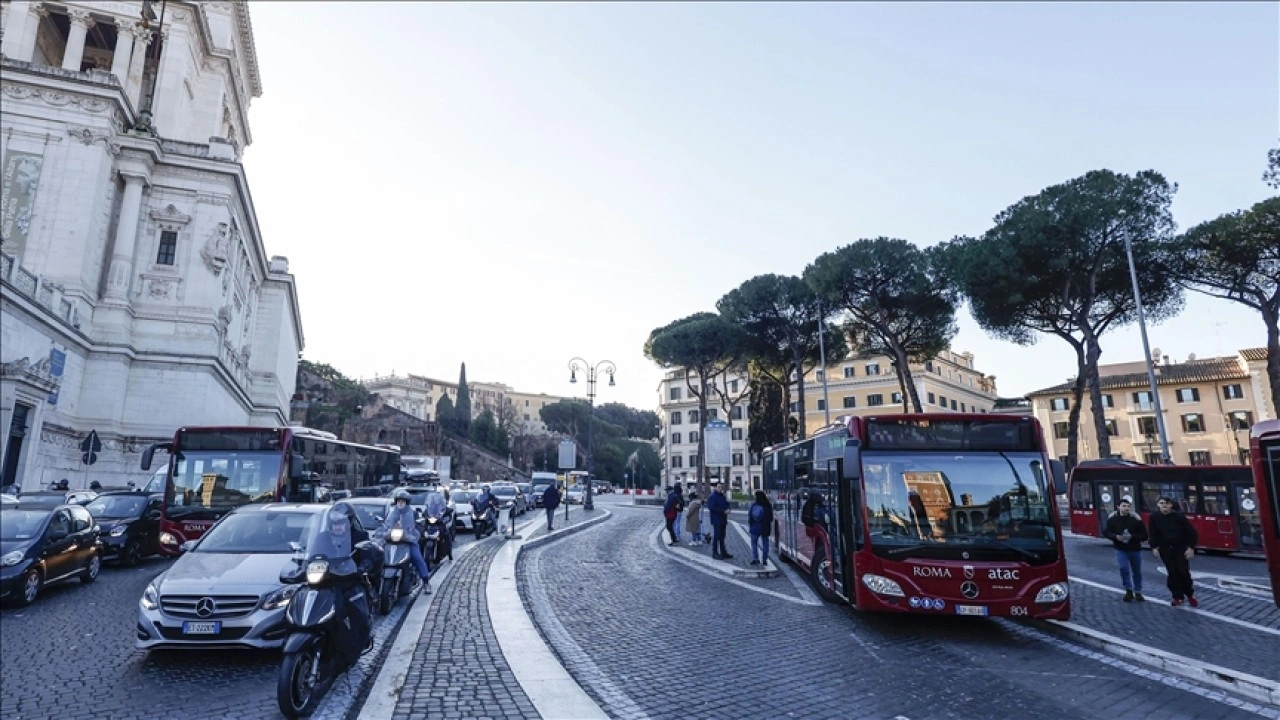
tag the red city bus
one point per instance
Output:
(1264, 450)
(1219, 500)
(213, 470)
(943, 514)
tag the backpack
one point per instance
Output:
(757, 513)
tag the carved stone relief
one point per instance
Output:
(54, 97)
(214, 252)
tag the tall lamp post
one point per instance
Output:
(592, 372)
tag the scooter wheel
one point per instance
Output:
(296, 693)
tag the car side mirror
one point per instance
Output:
(153, 514)
(187, 546)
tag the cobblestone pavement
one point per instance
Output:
(651, 638)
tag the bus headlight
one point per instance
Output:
(881, 585)
(316, 570)
(168, 539)
(150, 597)
(1054, 593)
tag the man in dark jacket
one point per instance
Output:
(1173, 540)
(671, 510)
(718, 506)
(551, 501)
(1127, 533)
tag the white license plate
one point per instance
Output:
(971, 609)
(201, 628)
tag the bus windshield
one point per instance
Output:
(210, 482)
(940, 504)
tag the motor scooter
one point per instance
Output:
(437, 541)
(483, 521)
(398, 573)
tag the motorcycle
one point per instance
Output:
(328, 617)
(484, 521)
(398, 573)
(437, 542)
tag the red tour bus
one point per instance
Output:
(1219, 500)
(213, 470)
(1264, 449)
(944, 514)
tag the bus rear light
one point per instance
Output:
(881, 585)
(1055, 593)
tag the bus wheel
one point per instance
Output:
(820, 572)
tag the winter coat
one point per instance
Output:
(1117, 524)
(764, 526)
(1173, 532)
(718, 506)
(693, 518)
(551, 497)
(673, 506)
(405, 519)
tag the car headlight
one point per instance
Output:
(881, 585)
(118, 530)
(316, 570)
(433, 518)
(1055, 593)
(12, 558)
(170, 539)
(150, 597)
(397, 534)
(279, 598)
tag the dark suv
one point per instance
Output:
(130, 524)
(39, 547)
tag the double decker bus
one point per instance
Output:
(944, 514)
(1264, 450)
(213, 470)
(1219, 500)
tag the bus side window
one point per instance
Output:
(1176, 492)
(1215, 500)
(1081, 496)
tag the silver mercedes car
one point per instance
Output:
(225, 590)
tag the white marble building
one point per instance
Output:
(136, 293)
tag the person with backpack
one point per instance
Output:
(671, 510)
(693, 518)
(760, 524)
(718, 506)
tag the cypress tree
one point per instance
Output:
(462, 408)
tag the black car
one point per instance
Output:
(39, 547)
(129, 521)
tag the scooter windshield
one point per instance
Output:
(329, 537)
(435, 504)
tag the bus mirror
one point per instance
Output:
(851, 468)
(297, 467)
(1059, 477)
(150, 452)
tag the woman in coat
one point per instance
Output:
(760, 523)
(693, 517)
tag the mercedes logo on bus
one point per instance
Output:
(206, 606)
(969, 589)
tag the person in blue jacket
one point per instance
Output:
(718, 506)
(760, 523)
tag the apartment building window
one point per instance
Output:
(737, 459)
(942, 400)
(1060, 430)
(736, 413)
(963, 408)
(755, 458)
(818, 375)
(876, 399)
(1146, 425)
(693, 437)
(896, 398)
(1107, 402)
(526, 417)
(822, 404)
(928, 366)
(733, 386)
(873, 368)
(1152, 458)
(848, 372)
(1193, 423)
(712, 414)
(736, 433)
(693, 417)
(1060, 404)
(675, 418)
(1143, 400)
(1232, 392)
(1187, 395)
(1244, 456)
(795, 407)
(1240, 419)
(953, 404)
(675, 393)
(1112, 428)
(675, 438)
(168, 248)
(677, 461)
(931, 401)
(1199, 457)
(693, 460)
(849, 402)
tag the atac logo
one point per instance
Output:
(1002, 574)
(931, 572)
(968, 572)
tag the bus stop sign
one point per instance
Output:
(90, 448)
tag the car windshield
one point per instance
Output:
(505, 491)
(370, 514)
(941, 502)
(256, 532)
(117, 506)
(463, 496)
(209, 482)
(37, 500)
(525, 488)
(19, 524)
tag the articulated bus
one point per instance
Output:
(1264, 449)
(213, 470)
(943, 514)
(1219, 500)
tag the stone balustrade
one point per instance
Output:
(45, 294)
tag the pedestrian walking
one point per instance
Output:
(671, 510)
(1127, 533)
(760, 524)
(551, 501)
(718, 506)
(693, 518)
(1173, 540)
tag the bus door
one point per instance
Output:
(1248, 519)
(1105, 503)
(1083, 519)
(1217, 524)
(826, 480)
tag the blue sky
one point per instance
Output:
(512, 185)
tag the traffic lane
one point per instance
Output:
(1095, 551)
(681, 643)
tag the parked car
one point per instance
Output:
(129, 521)
(462, 508)
(509, 496)
(530, 500)
(574, 495)
(39, 547)
(224, 591)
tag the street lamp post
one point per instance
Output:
(1165, 457)
(592, 371)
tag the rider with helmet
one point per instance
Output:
(401, 515)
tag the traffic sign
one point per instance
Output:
(90, 448)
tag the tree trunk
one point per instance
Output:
(1093, 351)
(902, 388)
(1073, 418)
(1273, 356)
(800, 407)
(904, 377)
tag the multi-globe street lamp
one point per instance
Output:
(592, 372)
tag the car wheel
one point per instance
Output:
(132, 553)
(91, 570)
(30, 587)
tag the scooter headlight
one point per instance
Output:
(316, 570)
(397, 535)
